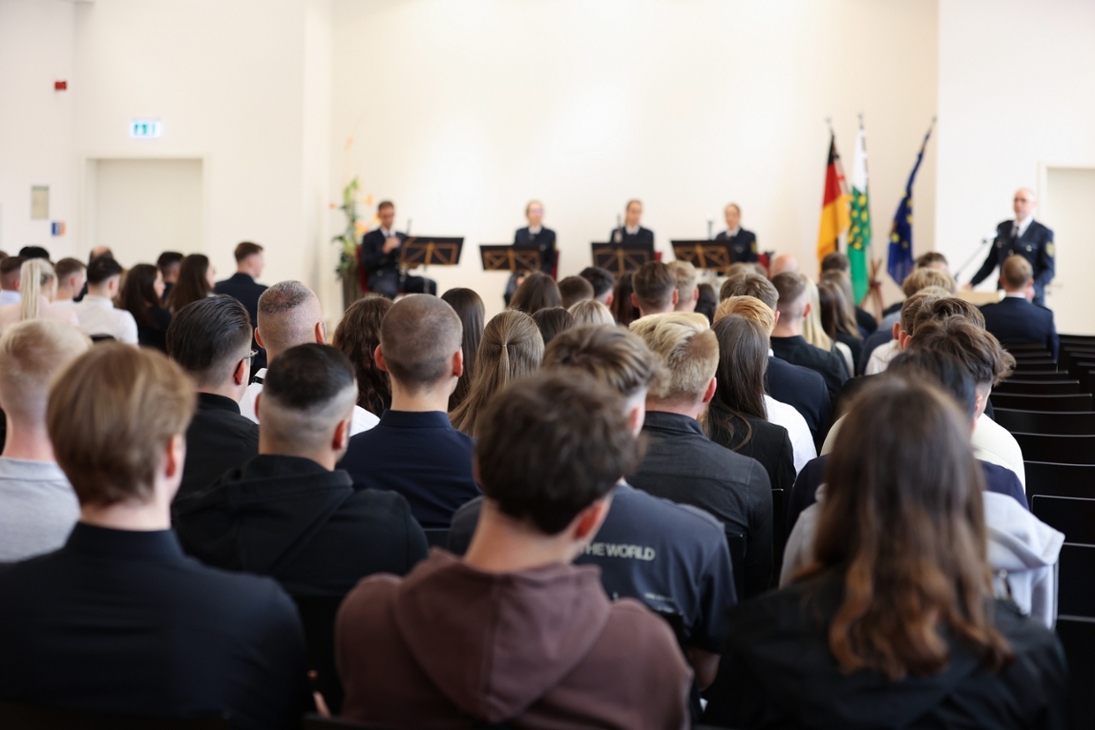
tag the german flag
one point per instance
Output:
(834, 206)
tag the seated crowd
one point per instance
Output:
(659, 502)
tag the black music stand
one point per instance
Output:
(622, 258)
(426, 250)
(517, 258)
(705, 254)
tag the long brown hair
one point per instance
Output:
(903, 520)
(138, 295)
(836, 314)
(511, 348)
(739, 388)
(192, 284)
(538, 291)
(623, 309)
(469, 307)
(357, 335)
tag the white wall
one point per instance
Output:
(36, 122)
(1015, 97)
(462, 112)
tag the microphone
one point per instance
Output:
(710, 228)
(408, 227)
(618, 234)
(976, 252)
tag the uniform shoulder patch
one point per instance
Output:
(1049, 249)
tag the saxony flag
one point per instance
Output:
(859, 236)
(834, 205)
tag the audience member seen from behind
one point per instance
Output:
(292, 515)
(37, 505)
(168, 263)
(10, 280)
(787, 340)
(119, 620)
(688, 292)
(141, 297)
(210, 339)
(893, 625)
(655, 289)
(814, 331)
(574, 289)
(920, 279)
(553, 448)
(623, 306)
(591, 312)
(1014, 319)
(603, 282)
(737, 418)
(469, 308)
(415, 450)
(39, 289)
(836, 265)
(71, 278)
(551, 322)
(512, 348)
(242, 285)
(838, 319)
(357, 336)
(707, 302)
(683, 465)
(538, 291)
(96, 311)
(196, 280)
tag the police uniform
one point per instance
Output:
(743, 245)
(638, 235)
(1034, 243)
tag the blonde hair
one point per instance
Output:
(591, 311)
(36, 274)
(923, 278)
(1016, 272)
(31, 353)
(686, 279)
(749, 307)
(812, 330)
(686, 347)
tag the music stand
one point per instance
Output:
(622, 258)
(705, 254)
(516, 258)
(425, 250)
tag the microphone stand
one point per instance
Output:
(618, 236)
(974, 257)
(710, 228)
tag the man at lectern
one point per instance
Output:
(1024, 237)
(743, 243)
(632, 231)
(535, 233)
(380, 252)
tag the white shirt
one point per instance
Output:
(881, 356)
(533, 231)
(98, 316)
(386, 233)
(362, 421)
(631, 231)
(731, 234)
(7, 296)
(802, 441)
(1023, 225)
(37, 508)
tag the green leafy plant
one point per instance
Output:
(348, 238)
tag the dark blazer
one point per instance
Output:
(865, 321)
(645, 235)
(682, 465)
(246, 290)
(778, 671)
(855, 344)
(805, 391)
(123, 622)
(376, 263)
(218, 439)
(545, 239)
(155, 336)
(289, 518)
(768, 443)
(830, 365)
(1035, 245)
(743, 246)
(1014, 320)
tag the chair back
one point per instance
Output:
(1056, 448)
(1037, 387)
(1076, 581)
(736, 543)
(437, 537)
(317, 616)
(1077, 636)
(1067, 423)
(1074, 516)
(1025, 402)
(18, 716)
(1059, 480)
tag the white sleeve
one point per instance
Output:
(127, 329)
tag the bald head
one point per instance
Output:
(419, 336)
(785, 262)
(289, 315)
(1024, 203)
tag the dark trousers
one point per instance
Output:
(390, 286)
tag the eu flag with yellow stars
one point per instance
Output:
(900, 263)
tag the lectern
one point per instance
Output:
(430, 251)
(705, 254)
(515, 258)
(622, 258)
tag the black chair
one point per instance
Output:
(1060, 480)
(1074, 516)
(1043, 375)
(1075, 362)
(1026, 347)
(437, 537)
(1057, 449)
(1077, 636)
(317, 616)
(1025, 402)
(315, 722)
(1068, 423)
(17, 716)
(1076, 581)
(1040, 364)
(779, 529)
(1081, 339)
(1087, 380)
(736, 543)
(1037, 387)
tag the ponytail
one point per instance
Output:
(35, 275)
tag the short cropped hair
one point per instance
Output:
(111, 414)
(208, 337)
(551, 445)
(612, 355)
(168, 261)
(384, 204)
(102, 269)
(34, 252)
(246, 249)
(835, 261)
(654, 283)
(978, 351)
(686, 275)
(68, 266)
(574, 289)
(418, 336)
(792, 294)
(287, 315)
(923, 278)
(32, 352)
(601, 279)
(749, 307)
(940, 369)
(686, 347)
(911, 307)
(1016, 272)
(931, 257)
(750, 285)
(591, 312)
(307, 390)
(11, 271)
(940, 308)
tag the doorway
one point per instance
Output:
(1067, 208)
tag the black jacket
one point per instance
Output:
(1035, 245)
(1014, 320)
(545, 239)
(373, 259)
(830, 365)
(218, 440)
(768, 443)
(805, 391)
(155, 336)
(743, 246)
(246, 290)
(682, 465)
(123, 622)
(291, 519)
(644, 235)
(866, 321)
(780, 672)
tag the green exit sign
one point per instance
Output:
(145, 128)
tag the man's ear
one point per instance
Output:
(458, 363)
(321, 333)
(341, 438)
(806, 310)
(378, 355)
(242, 372)
(258, 404)
(258, 339)
(775, 320)
(609, 299)
(897, 330)
(635, 301)
(710, 392)
(175, 455)
(589, 520)
(696, 294)
(676, 298)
